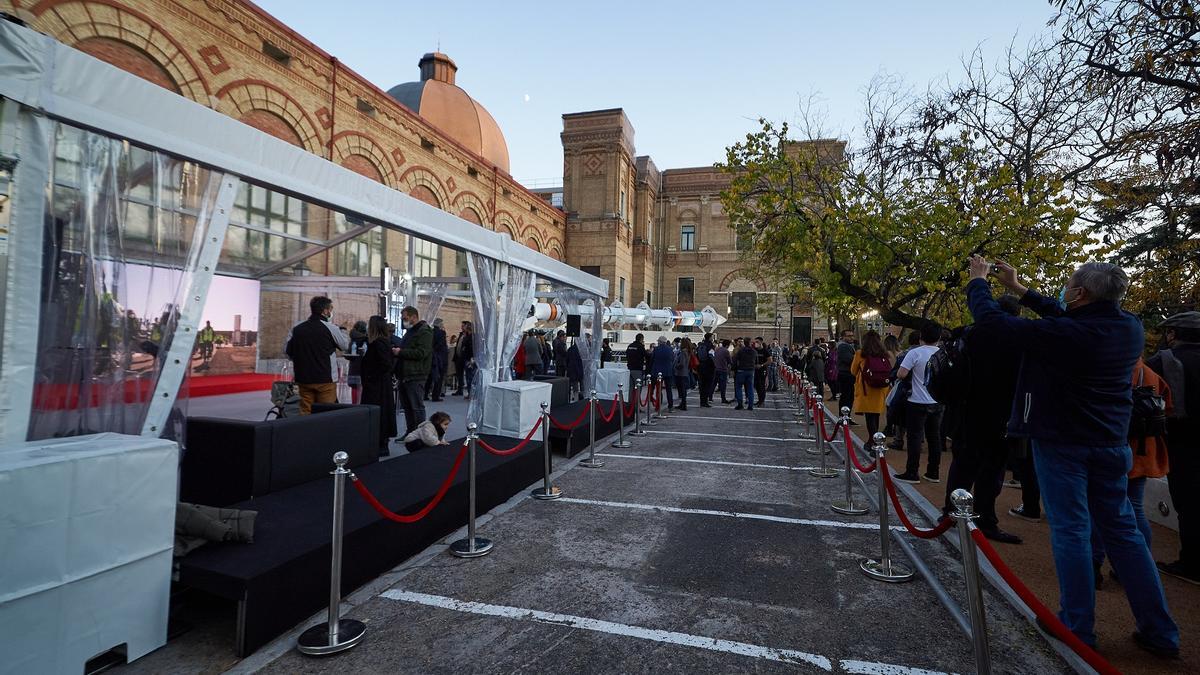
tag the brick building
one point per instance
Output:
(658, 237)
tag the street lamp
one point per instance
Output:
(792, 302)
(778, 320)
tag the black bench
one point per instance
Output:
(283, 577)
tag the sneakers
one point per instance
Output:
(910, 478)
(1177, 570)
(930, 477)
(1159, 651)
(1019, 512)
(739, 407)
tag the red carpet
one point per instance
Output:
(52, 396)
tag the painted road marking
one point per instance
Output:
(792, 656)
(739, 420)
(707, 461)
(727, 514)
(751, 438)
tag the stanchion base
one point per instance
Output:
(892, 572)
(543, 493)
(315, 641)
(649, 423)
(591, 463)
(622, 444)
(848, 508)
(638, 432)
(824, 473)
(814, 451)
(462, 548)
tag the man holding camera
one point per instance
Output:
(1073, 401)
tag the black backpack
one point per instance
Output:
(948, 372)
(1149, 419)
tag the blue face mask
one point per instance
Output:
(1062, 299)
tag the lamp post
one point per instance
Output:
(778, 320)
(792, 301)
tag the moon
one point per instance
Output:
(527, 98)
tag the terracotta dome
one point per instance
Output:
(449, 108)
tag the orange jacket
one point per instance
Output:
(1153, 464)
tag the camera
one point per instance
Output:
(993, 268)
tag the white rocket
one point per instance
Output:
(616, 315)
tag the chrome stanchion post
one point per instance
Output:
(649, 401)
(336, 634)
(661, 414)
(637, 410)
(472, 546)
(591, 462)
(547, 491)
(848, 506)
(964, 505)
(884, 569)
(821, 446)
(803, 409)
(621, 442)
(825, 471)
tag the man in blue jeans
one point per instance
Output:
(1073, 401)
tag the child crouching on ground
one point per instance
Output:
(428, 433)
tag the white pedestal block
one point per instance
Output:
(607, 379)
(85, 547)
(512, 408)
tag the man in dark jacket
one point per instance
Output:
(845, 358)
(708, 369)
(435, 384)
(1073, 401)
(978, 442)
(466, 356)
(559, 348)
(413, 363)
(745, 362)
(762, 363)
(635, 359)
(311, 346)
(1179, 365)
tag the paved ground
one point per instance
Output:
(732, 562)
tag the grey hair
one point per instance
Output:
(662, 340)
(1103, 281)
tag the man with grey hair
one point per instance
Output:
(1073, 401)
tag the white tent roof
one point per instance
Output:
(44, 74)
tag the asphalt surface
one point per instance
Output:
(728, 564)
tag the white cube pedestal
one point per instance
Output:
(85, 548)
(607, 379)
(512, 408)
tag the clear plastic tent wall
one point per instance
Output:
(591, 310)
(122, 231)
(503, 296)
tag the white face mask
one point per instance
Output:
(405, 324)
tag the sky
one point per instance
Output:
(148, 290)
(693, 77)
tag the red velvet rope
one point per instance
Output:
(572, 425)
(646, 399)
(515, 449)
(913, 529)
(632, 406)
(854, 455)
(658, 395)
(612, 411)
(383, 510)
(1047, 617)
(821, 425)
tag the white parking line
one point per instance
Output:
(706, 461)
(654, 635)
(739, 420)
(727, 514)
(752, 438)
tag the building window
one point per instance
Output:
(742, 242)
(623, 206)
(648, 299)
(593, 270)
(428, 258)
(687, 290)
(362, 256)
(743, 306)
(687, 238)
(621, 293)
(265, 210)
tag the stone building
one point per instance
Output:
(657, 236)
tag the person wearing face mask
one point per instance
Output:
(312, 346)
(1074, 403)
(414, 360)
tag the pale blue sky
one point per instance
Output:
(691, 76)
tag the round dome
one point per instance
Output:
(437, 99)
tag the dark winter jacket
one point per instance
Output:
(310, 347)
(415, 359)
(662, 361)
(635, 356)
(1073, 384)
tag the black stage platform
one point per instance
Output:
(572, 442)
(283, 577)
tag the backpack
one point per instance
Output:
(877, 372)
(1149, 419)
(831, 368)
(948, 372)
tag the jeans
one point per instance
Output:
(773, 377)
(666, 385)
(634, 376)
(722, 380)
(1085, 486)
(744, 380)
(760, 384)
(412, 400)
(1136, 492)
(681, 384)
(925, 418)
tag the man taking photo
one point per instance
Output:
(1074, 402)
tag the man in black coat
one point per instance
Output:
(978, 440)
(708, 370)
(635, 359)
(560, 354)
(435, 385)
(311, 346)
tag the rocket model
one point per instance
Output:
(617, 315)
